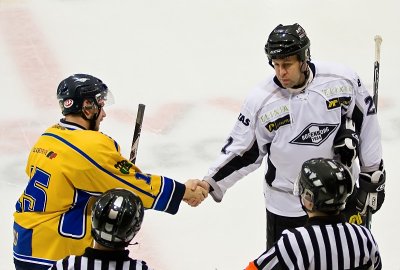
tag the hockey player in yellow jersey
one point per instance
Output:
(70, 164)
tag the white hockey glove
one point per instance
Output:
(346, 143)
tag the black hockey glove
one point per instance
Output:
(351, 213)
(345, 143)
(371, 191)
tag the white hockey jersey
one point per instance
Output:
(289, 128)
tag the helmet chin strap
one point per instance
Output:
(308, 77)
(306, 71)
(304, 67)
(92, 121)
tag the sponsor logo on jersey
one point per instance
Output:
(274, 125)
(275, 113)
(68, 103)
(123, 166)
(334, 91)
(338, 102)
(42, 151)
(51, 155)
(244, 120)
(314, 134)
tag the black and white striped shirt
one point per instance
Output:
(324, 243)
(95, 259)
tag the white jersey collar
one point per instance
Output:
(309, 80)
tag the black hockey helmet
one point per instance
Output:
(287, 40)
(72, 91)
(117, 216)
(325, 182)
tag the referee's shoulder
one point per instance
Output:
(139, 264)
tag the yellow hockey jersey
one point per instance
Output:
(67, 167)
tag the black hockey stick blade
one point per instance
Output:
(136, 133)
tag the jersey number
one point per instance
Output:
(35, 197)
(371, 106)
(229, 142)
(73, 222)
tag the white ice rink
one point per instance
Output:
(192, 63)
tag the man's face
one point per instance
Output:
(91, 109)
(100, 118)
(288, 71)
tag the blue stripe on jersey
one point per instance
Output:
(116, 145)
(34, 260)
(96, 164)
(164, 197)
(73, 222)
(22, 240)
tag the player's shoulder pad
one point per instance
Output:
(335, 70)
(264, 93)
(100, 138)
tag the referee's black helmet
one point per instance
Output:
(326, 183)
(117, 216)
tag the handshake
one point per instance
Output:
(196, 191)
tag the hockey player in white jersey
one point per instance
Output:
(306, 110)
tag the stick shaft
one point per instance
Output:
(136, 133)
(378, 42)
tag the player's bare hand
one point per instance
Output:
(195, 192)
(205, 185)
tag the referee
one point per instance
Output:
(327, 241)
(117, 216)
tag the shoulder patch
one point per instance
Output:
(338, 102)
(245, 121)
(123, 166)
(275, 113)
(337, 90)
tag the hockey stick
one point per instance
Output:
(378, 42)
(136, 133)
